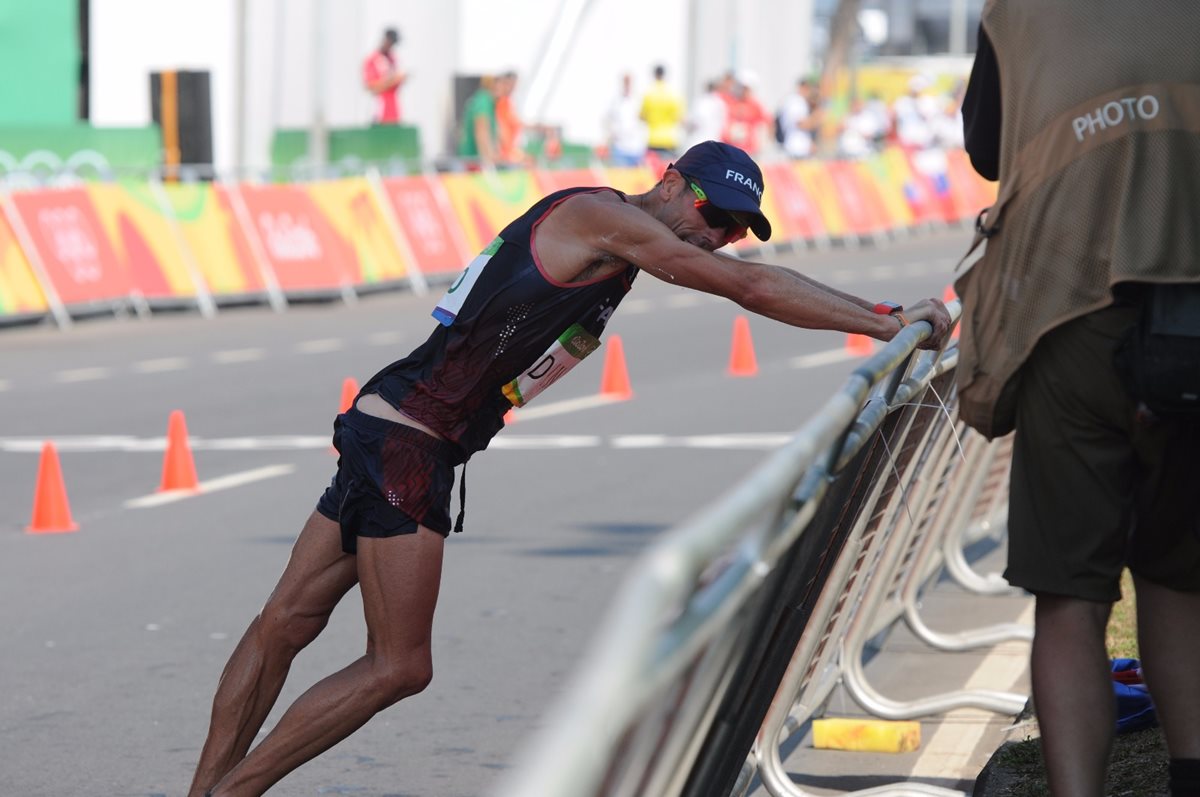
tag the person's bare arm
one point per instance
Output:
(631, 235)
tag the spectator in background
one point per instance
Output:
(746, 125)
(626, 133)
(860, 131)
(881, 118)
(480, 140)
(726, 86)
(509, 127)
(947, 123)
(910, 112)
(383, 77)
(662, 111)
(799, 119)
(948, 126)
(706, 122)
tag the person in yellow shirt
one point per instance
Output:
(662, 111)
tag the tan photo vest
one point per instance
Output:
(1099, 178)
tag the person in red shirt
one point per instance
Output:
(508, 124)
(383, 77)
(746, 119)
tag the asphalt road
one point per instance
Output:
(114, 636)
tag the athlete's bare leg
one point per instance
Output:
(315, 579)
(399, 577)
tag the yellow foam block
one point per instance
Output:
(868, 736)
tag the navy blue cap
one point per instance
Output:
(730, 178)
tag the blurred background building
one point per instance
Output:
(237, 85)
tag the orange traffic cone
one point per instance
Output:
(179, 470)
(859, 345)
(742, 361)
(349, 391)
(614, 382)
(509, 417)
(51, 512)
(949, 295)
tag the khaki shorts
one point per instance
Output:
(1096, 486)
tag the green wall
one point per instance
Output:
(39, 61)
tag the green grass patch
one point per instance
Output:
(1121, 636)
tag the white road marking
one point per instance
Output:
(640, 441)
(230, 356)
(881, 272)
(277, 443)
(560, 407)
(507, 439)
(161, 364)
(211, 486)
(747, 441)
(817, 359)
(386, 338)
(753, 441)
(636, 306)
(130, 444)
(83, 374)
(320, 346)
(543, 442)
(947, 754)
(683, 300)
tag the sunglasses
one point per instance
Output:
(734, 224)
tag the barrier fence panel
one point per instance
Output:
(731, 632)
(108, 245)
(423, 212)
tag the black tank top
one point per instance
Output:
(507, 331)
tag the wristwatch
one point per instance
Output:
(894, 310)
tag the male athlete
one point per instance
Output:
(530, 306)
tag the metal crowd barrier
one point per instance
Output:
(731, 632)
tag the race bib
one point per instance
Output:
(449, 306)
(563, 355)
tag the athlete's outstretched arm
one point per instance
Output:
(632, 235)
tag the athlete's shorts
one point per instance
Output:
(390, 479)
(1096, 485)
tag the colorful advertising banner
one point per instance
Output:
(356, 218)
(19, 289)
(299, 243)
(630, 179)
(75, 252)
(975, 192)
(217, 242)
(112, 241)
(819, 185)
(929, 165)
(551, 180)
(143, 239)
(423, 213)
(485, 202)
(859, 203)
(797, 217)
(891, 192)
(917, 189)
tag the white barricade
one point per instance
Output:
(730, 633)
